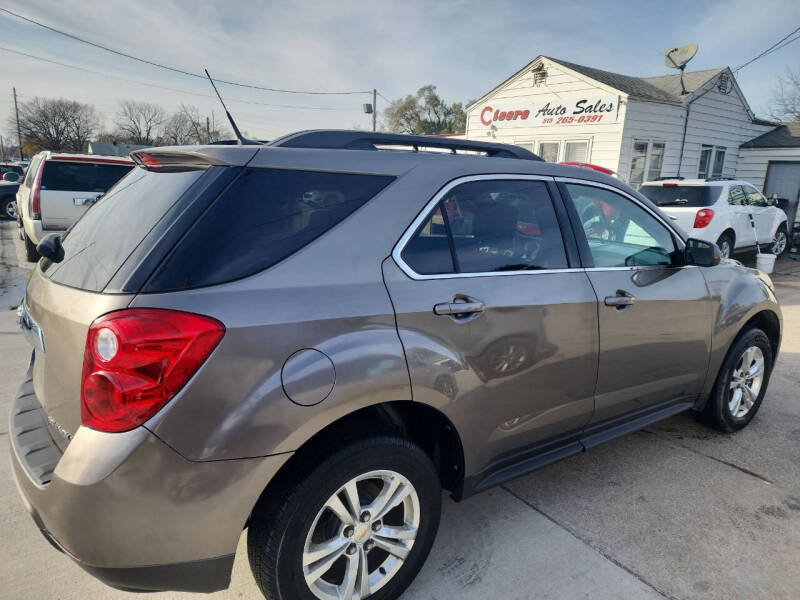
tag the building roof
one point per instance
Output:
(785, 136)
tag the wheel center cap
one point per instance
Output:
(360, 534)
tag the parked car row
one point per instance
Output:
(312, 338)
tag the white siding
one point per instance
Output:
(753, 163)
(652, 121)
(604, 138)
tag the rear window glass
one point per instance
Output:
(682, 195)
(99, 242)
(263, 217)
(81, 176)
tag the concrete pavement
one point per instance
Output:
(674, 511)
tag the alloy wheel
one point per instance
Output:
(10, 209)
(361, 537)
(746, 381)
(779, 242)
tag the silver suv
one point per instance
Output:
(312, 338)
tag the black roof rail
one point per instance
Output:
(369, 140)
(720, 178)
(667, 178)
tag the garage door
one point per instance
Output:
(783, 178)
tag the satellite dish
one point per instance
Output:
(676, 58)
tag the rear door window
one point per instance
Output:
(492, 226)
(263, 217)
(81, 176)
(102, 239)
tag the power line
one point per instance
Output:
(163, 87)
(167, 67)
(771, 49)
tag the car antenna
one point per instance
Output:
(243, 141)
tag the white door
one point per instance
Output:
(762, 214)
(741, 217)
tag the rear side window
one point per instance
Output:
(263, 217)
(97, 245)
(81, 176)
(492, 226)
(682, 195)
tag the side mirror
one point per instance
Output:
(11, 176)
(702, 254)
(50, 247)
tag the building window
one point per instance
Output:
(646, 162)
(712, 162)
(549, 151)
(577, 151)
(528, 144)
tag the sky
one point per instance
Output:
(463, 47)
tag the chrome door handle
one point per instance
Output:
(621, 300)
(84, 201)
(458, 308)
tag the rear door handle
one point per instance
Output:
(458, 308)
(621, 300)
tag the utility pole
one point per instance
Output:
(374, 109)
(208, 130)
(2, 149)
(19, 133)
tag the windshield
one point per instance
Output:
(99, 242)
(682, 195)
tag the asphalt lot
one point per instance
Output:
(674, 511)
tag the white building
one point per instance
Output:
(640, 127)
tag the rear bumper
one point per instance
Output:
(130, 510)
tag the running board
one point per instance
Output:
(550, 452)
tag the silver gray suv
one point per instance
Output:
(310, 339)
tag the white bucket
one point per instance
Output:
(765, 262)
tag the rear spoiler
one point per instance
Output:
(181, 159)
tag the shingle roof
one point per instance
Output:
(665, 88)
(785, 136)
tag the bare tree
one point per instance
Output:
(139, 122)
(786, 97)
(202, 130)
(56, 124)
(425, 113)
(178, 130)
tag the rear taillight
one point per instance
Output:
(703, 218)
(37, 186)
(137, 359)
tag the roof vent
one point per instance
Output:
(539, 75)
(724, 84)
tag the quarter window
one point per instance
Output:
(619, 232)
(490, 226)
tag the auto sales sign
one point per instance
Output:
(550, 111)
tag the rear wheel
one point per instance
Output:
(31, 253)
(359, 525)
(8, 208)
(741, 382)
(725, 243)
(780, 242)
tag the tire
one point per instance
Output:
(726, 240)
(780, 241)
(8, 208)
(31, 253)
(292, 516)
(721, 411)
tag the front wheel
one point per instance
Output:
(741, 382)
(780, 242)
(359, 525)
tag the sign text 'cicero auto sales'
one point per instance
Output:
(551, 111)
